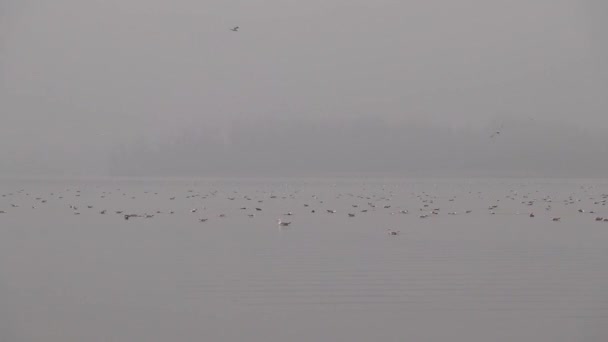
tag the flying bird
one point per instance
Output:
(235, 29)
(497, 132)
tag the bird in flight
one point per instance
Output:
(497, 132)
(235, 29)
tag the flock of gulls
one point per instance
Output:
(196, 204)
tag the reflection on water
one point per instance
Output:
(481, 276)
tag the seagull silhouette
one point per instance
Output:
(235, 29)
(497, 132)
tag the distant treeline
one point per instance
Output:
(526, 148)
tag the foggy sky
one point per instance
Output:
(86, 83)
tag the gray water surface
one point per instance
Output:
(488, 275)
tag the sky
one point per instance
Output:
(86, 83)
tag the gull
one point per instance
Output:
(556, 219)
(351, 215)
(282, 223)
(393, 232)
(497, 132)
(202, 220)
(331, 211)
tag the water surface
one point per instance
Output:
(488, 275)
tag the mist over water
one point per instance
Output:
(334, 170)
(144, 87)
(526, 148)
(353, 148)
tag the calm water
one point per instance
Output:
(488, 275)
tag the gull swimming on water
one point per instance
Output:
(282, 223)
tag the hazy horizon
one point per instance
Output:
(148, 88)
(333, 170)
(361, 147)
